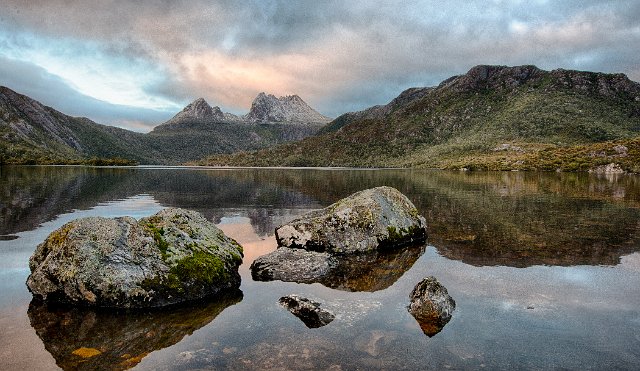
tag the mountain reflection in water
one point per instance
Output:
(513, 219)
(578, 235)
(89, 339)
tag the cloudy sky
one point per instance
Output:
(135, 64)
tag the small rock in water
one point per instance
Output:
(431, 305)
(308, 311)
(173, 256)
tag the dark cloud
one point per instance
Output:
(338, 55)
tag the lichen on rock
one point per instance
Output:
(333, 245)
(170, 257)
(368, 220)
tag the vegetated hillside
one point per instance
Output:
(36, 134)
(469, 118)
(193, 141)
(200, 130)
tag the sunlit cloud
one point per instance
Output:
(338, 56)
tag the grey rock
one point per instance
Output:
(373, 271)
(199, 111)
(351, 245)
(308, 311)
(621, 151)
(431, 305)
(376, 218)
(292, 265)
(611, 168)
(173, 256)
(291, 109)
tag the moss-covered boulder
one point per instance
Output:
(368, 220)
(353, 241)
(173, 256)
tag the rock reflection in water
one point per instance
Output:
(374, 271)
(369, 272)
(86, 339)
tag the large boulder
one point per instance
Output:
(351, 245)
(173, 256)
(293, 265)
(431, 305)
(376, 218)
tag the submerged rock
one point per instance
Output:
(173, 256)
(376, 218)
(97, 339)
(308, 311)
(373, 271)
(431, 305)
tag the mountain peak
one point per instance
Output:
(198, 111)
(494, 77)
(290, 108)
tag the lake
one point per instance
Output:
(544, 269)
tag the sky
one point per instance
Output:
(135, 64)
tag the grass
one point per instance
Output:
(584, 157)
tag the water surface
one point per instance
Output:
(544, 268)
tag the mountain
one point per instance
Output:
(290, 109)
(198, 112)
(199, 109)
(34, 133)
(491, 117)
(265, 109)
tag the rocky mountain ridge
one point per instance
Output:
(466, 117)
(457, 124)
(291, 108)
(36, 134)
(265, 109)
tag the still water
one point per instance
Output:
(544, 269)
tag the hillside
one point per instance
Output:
(467, 119)
(199, 129)
(36, 134)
